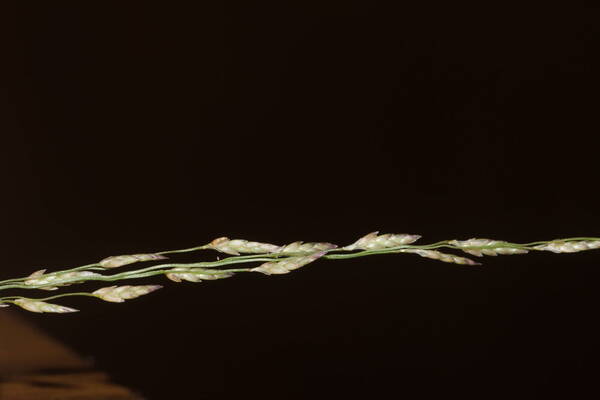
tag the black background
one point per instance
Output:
(132, 127)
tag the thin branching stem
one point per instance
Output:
(274, 259)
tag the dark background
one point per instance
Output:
(131, 128)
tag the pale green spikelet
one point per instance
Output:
(195, 275)
(288, 264)
(569, 247)
(488, 247)
(118, 294)
(237, 246)
(374, 241)
(38, 306)
(55, 279)
(305, 248)
(119, 261)
(445, 257)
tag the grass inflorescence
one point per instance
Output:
(273, 259)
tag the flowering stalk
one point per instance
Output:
(274, 259)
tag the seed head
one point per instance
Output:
(119, 261)
(195, 275)
(237, 246)
(445, 257)
(53, 280)
(490, 247)
(569, 247)
(118, 294)
(373, 241)
(305, 248)
(288, 264)
(42, 307)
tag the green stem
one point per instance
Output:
(203, 247)
(12, 299)
(208, 264)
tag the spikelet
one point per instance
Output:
(445, 257)
(305, 248)
(237, 246)
(118, 294)
(55, 279)
(569, 247)
(4, 305)
(288, 264)
(494, 247)
(119, 261)
(373, 241)
(195, 275)
(42, 307)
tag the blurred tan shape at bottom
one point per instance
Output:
(35, 366)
